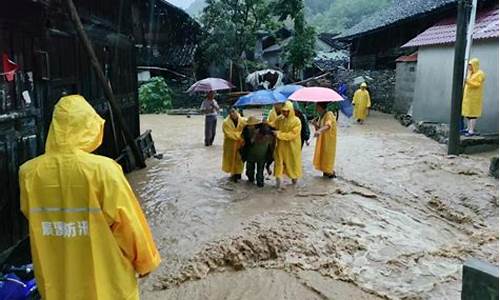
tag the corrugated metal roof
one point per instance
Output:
(444, 32)
(400, 10)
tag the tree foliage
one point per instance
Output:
(300, 51)
(231, 27)
(155, 96)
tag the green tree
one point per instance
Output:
(300, 51)
(231, 28)
(155, 96)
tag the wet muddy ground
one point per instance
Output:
(397, 223)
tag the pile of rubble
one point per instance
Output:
(436, 131)
(381, 85)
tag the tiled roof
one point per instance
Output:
(408, 58)
(444, 32)
(400, 10)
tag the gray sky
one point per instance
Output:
(181, 3)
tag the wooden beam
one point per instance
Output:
(105, 84)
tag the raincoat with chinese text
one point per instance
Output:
(472, 104)
(288, 152)
(89, 237)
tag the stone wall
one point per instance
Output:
(405, 86)
(381, 84)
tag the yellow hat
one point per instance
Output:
(253, 121)
(364, 85)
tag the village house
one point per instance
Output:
(166, 39)
(48, 61)
(432, 80)
(375, 44)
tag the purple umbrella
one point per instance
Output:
(210, 84)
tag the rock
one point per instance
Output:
(405, 120)
(436, 131)
(494, 167)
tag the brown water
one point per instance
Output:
(398, 222)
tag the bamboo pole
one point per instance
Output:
(105, 85)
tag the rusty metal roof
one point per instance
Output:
(444, 32)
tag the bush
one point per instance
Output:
(155, 96)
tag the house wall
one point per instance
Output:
(432, 97)
(405, 86)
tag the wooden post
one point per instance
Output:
(105, 85)
(458, 76)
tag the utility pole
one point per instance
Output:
(470, 38)
(106, 86)
(458, 77)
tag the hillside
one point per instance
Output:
(326, 15)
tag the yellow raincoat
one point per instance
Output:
(288, 152)
(231, 159)
(326, 145)
(362, 102)
(472, 104)
(272, 115)
(88, 234)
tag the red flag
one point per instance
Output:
(9, 67)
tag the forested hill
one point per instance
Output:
(326, 15)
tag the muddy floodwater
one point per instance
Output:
(397, 223)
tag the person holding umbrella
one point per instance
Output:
(210, 108)
(326, 143)
(326, 126)
(288, 153)
(231, 160)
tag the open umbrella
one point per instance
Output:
(288, 89)
(316, 94)
(210, 84)
(262, 97)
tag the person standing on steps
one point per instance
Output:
(210, 109)
(472, 103)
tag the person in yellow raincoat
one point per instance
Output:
(288, 152)
(362, 102)
(89, 237)
(472, 104)
(326, 143)
(275, 112)
(231, 160)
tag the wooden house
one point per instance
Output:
(39, 38)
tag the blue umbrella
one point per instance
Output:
(262, 97)
(346, 105)
(287, 90)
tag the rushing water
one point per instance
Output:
(398, 222)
